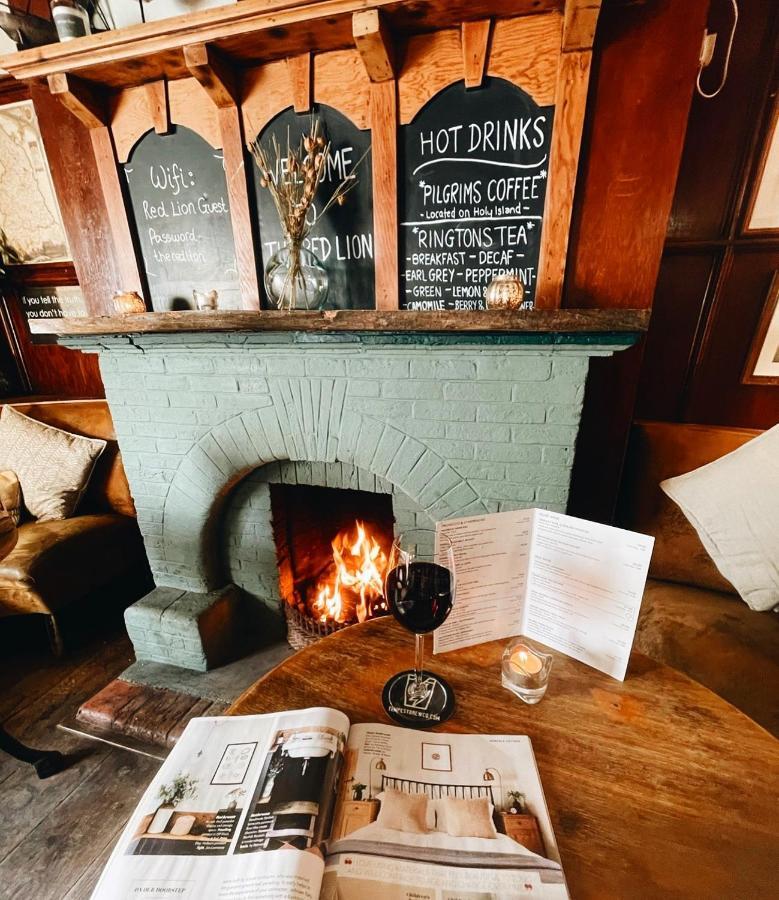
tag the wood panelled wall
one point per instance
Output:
(644, 65)
(47, 369)
(714, 278)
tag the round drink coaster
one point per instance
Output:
(433, 706)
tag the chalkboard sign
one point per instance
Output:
(342, 239)
(474, 165)
(179, 207)
(52, 302)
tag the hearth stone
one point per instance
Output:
(450, 424)
(192, 630)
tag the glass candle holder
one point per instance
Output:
(525, 670)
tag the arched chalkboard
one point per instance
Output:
(473, 166)
(180, 211)
(343, 238)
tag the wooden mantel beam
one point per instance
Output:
(81, 98)
(373, 41)
(590, 322)
(214, 74)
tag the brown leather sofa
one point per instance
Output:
(55, 564)
(691, 617)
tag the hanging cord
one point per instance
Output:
(727, 59)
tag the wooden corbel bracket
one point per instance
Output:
(475, 39)
(299, 69)
(84, 100)
(373, 41)
(157, 99)
(214, 73)
(581, 19)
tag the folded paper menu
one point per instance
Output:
(573, 585)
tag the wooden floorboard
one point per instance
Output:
(82, 889)
(57, 833)
(29, 800)
(71, 837)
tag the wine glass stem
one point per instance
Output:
(418, 658)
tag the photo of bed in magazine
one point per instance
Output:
(300, 806)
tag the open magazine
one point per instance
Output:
(299, 806)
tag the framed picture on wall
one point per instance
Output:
(29, 213)
(763, 212)
(763, 361)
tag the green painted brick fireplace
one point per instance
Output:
(449, 425)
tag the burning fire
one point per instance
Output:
(357, 588)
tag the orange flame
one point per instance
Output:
(357, 590)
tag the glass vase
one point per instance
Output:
(295, 279)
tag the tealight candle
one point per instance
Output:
(524, 662)
(525, 670)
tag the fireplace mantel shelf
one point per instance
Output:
(401, 322)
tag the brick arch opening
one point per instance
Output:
(259, 511)
(309, 425)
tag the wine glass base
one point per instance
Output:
(436, 705)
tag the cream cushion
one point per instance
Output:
(466, 817)
(403, 812)
(733, 504)
(53, 466)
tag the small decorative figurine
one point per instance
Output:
(505, 292)
(128, 303)
(205, 300)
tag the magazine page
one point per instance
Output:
(237, 811)
(440, 817)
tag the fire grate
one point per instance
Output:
(303, 630)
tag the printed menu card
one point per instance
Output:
(573, 585)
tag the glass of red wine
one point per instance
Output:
(420, 590)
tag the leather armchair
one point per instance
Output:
(55, 564)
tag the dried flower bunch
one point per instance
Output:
(292, 177)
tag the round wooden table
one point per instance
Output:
(656, 786)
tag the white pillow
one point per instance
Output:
(429, 815)
(403, 812)
(466, 817)
(733, 504)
